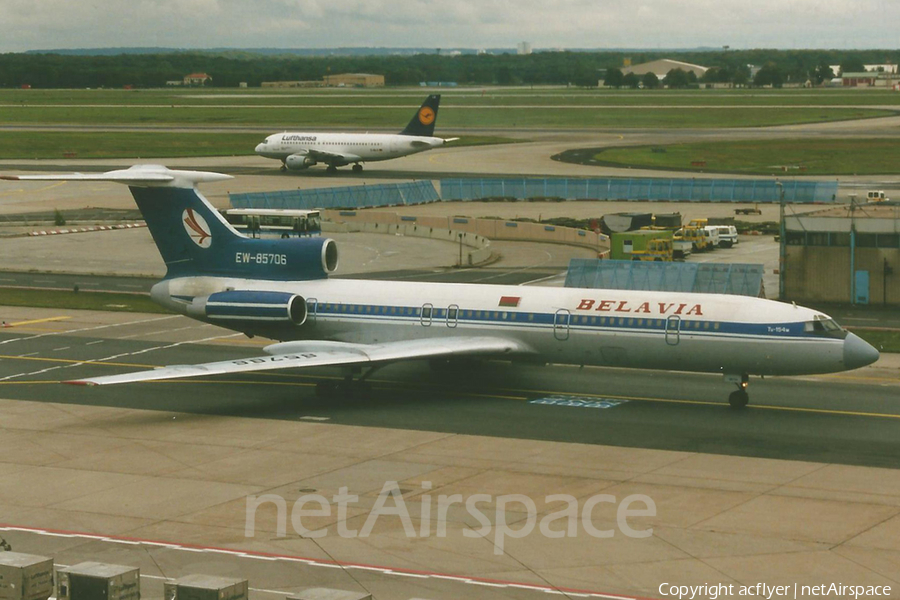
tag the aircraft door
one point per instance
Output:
(452, 315)
(312, 306)
(427, 310)
(673, 330)
(561, 324)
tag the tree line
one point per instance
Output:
(228, 69)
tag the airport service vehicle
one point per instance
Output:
(748, 210)
(697, 236)
(658, 250)
(280, 289)
(876, 196)
(628, 244)
(273, 221)
(299, 151)
(712, 234)
(681, 248)
(728, 235)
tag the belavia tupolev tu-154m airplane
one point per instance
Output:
(298, 151)
(280, 289)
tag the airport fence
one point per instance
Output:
(708, 278)
(652, 189)
(349, 197)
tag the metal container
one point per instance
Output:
(97, 581)
(206, 587)
(329, 594)
(25, 576)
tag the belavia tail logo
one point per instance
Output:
(196, 227)
(426, 115)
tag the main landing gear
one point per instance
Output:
(739, 399)
(348, 387)
(357, 168)
(331, 169)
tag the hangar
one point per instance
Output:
(354, 80)
(661, 67)
(848, 254)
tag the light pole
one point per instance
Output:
(781, 241)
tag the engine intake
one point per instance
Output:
(258, 308)
(298, 162)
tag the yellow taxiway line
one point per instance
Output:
(33, 321)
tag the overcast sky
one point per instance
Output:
(47, 24)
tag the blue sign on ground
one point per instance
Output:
(578, 401)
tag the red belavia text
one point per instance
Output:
(624, 306)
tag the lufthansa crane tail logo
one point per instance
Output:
(196, 227)
(426, 115)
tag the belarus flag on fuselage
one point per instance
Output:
(509, 301)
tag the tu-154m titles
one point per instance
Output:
(281, 289)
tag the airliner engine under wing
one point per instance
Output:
(280, 289)
(298, 151)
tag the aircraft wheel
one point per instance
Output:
(283, 167)
(738, 399)
(357, 168)
(331, 169)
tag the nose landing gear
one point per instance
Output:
(739, 399)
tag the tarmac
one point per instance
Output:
(803, 488)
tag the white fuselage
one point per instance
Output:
(353, 147)
(711, 333)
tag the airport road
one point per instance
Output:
(158, 475)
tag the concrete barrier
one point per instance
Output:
(476, 233)
(477, 248)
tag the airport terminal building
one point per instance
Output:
(847, 254)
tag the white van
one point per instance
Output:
(712, 235)
(728, 235)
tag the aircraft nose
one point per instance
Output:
(858, 353)
(260, 147)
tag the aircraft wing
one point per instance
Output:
(293, 355)
(329, 157)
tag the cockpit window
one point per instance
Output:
(825, 327)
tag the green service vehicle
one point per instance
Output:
(644, 244)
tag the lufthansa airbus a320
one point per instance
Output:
(298, 151)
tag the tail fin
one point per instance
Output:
(194, 239)
(423, 122)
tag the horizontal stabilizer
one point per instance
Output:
(136, 176)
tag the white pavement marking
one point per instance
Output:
(49, 333)
(114, 356)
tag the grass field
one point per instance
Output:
(460, 108)
(455, 97)
(128, 144)
(104, 301)
(450, 118)
(873, 156)
(884, 341)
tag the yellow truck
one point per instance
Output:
(699, 237)
(658, 250)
